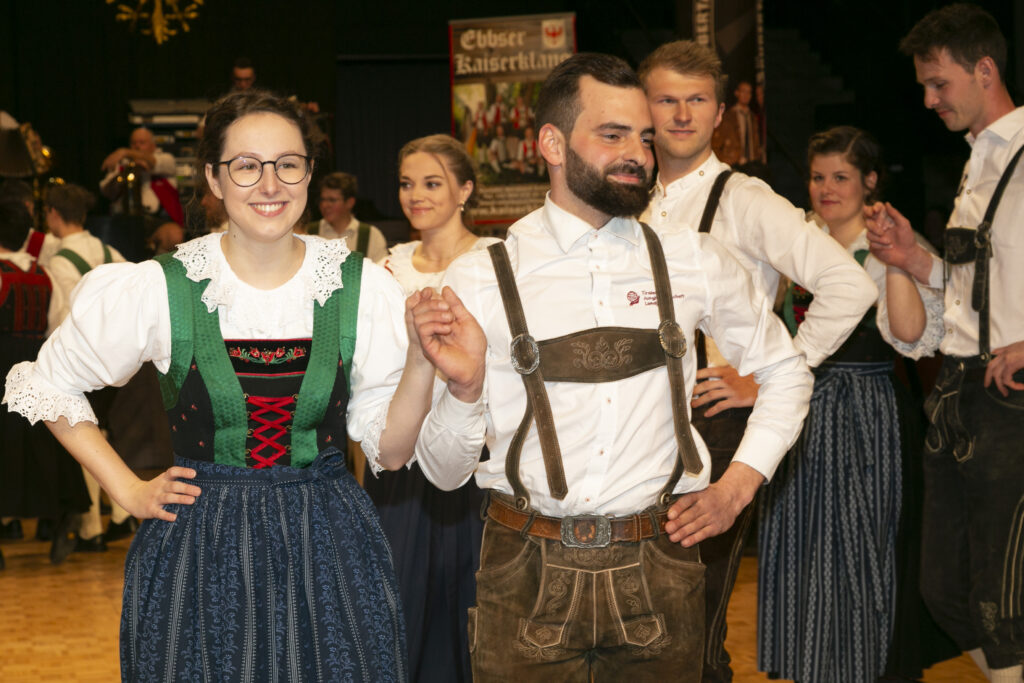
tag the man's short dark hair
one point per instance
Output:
(242, 63)
(967, 31)
(345, 183)
(15, 222)
(71, 202)
(559, 100)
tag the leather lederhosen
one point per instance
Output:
(964, 245)
(564, 359)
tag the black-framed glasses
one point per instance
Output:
(247, 171)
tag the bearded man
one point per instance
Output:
(590, 567)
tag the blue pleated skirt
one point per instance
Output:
(279, 574)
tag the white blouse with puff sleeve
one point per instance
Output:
(120, 319)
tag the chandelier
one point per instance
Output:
(161, 19)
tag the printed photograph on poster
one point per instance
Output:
(498, 65)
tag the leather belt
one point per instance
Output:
(581, 531)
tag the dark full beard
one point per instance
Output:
(607, 196)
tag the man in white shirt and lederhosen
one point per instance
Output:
(600, 489)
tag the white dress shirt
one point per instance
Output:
(376, 246)
(617, 439)
(120, 319)
(768, 236)
(991, 151)
(65, 274)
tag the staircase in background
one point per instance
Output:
(798, 83)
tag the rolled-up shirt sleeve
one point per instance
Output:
(754, 341)
(118, 320)
(452, 438)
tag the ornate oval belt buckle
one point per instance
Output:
(525, 354)
(672, 339)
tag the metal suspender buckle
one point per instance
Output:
(586, 531)
(525, 354)
(672, 338)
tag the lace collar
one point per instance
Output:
(320, 272)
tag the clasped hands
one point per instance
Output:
(450, 338)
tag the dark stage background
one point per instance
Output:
(380, 68)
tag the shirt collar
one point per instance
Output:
(1005, 127)
(319, 274)
(706, 172)
(566, 229)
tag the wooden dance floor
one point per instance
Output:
(61, 623)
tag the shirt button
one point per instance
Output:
(608, 401)
(663, 214)
(701, 173)
(949, 330)
(957, 302)
(601, 452)
(968, 191)
(600, 303)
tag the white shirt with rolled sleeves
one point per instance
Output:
(991, 151)
(617, 439)
(768, 236)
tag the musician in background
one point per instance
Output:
(154, 173)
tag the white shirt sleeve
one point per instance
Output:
(378, 360)
(754, 340)
(452, 437)
(119, 319)
(932, 299)
(164, 164)
(773, 230)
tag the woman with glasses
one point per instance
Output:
(833, 590)
(260, 557)
(434, 534)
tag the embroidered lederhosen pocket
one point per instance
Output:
(946, 429)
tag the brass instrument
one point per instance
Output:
(130, 185)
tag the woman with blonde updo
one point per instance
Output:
(434, 534)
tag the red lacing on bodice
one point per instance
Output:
(274, 415)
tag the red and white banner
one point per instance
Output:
(497, 67)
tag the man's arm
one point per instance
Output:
(754, 340)
(452, 436)
(770, 229)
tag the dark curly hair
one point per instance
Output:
(236, 105)
(858, 148)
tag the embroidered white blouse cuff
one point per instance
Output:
(35, 398)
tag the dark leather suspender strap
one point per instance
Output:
(526, 361)
(674, 343)
(983, 241)
(711, 206)
(706, 219)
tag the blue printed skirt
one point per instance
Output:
(279, 574)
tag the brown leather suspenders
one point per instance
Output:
(629, 351)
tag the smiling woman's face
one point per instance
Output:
(268, 210)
